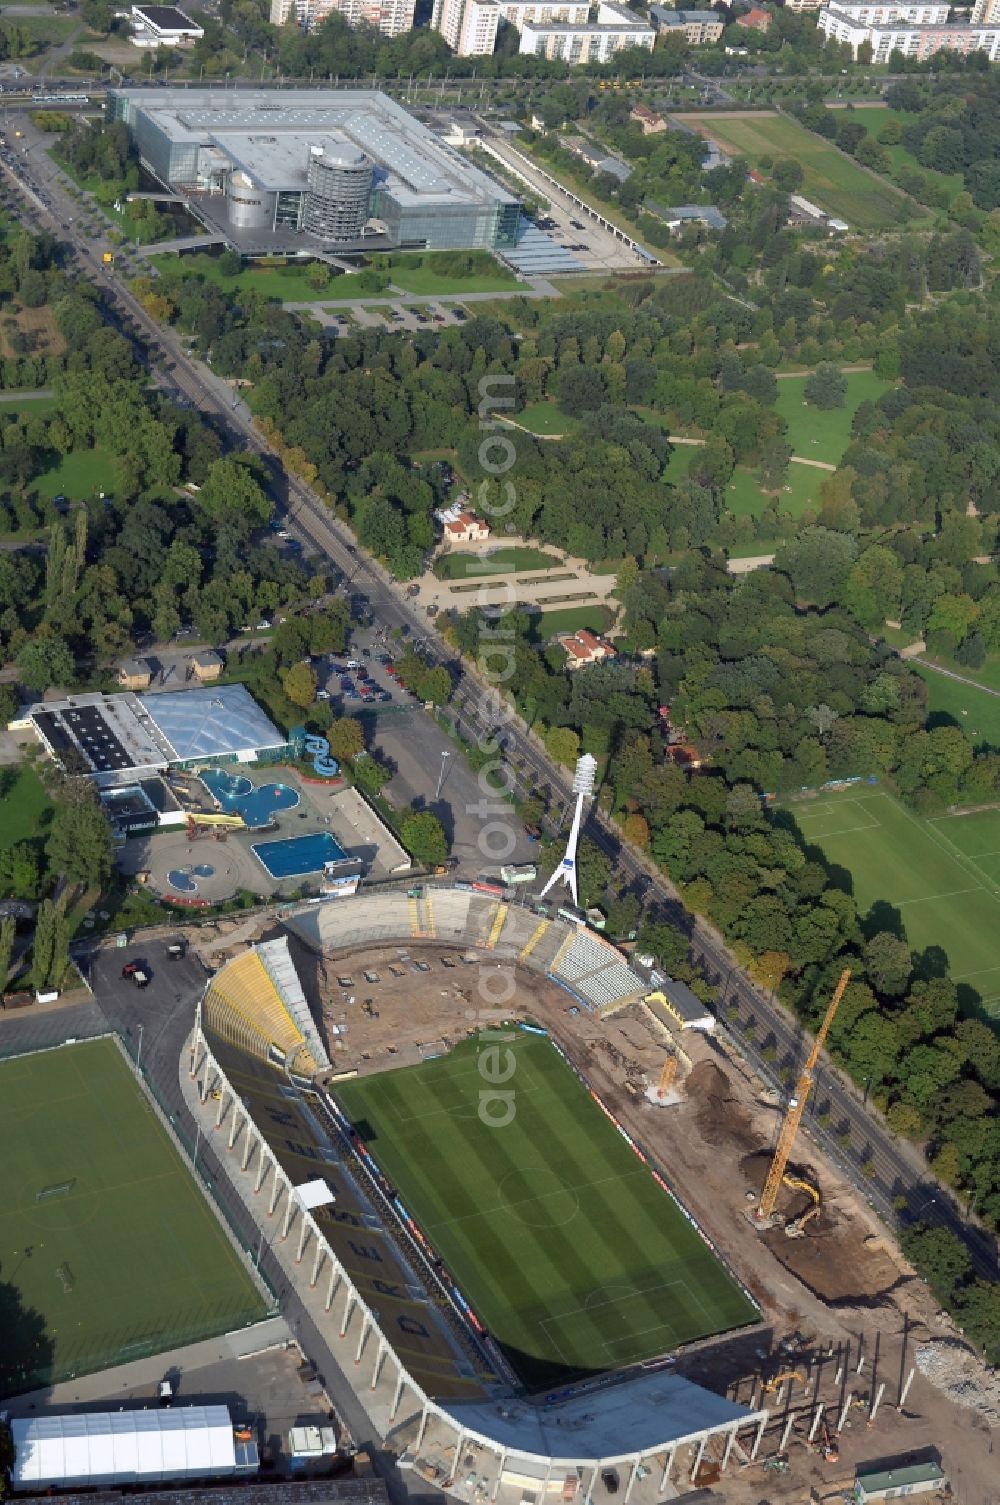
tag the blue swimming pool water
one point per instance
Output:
(237, 794)
(203, 870)
(298, 855)
(181, 881)
(226, 786)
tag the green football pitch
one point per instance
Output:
(571, 1255)
(943, 875)
(108, 1247)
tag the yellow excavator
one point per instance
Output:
(797, 1226)
(786, 1375)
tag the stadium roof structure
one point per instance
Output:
(124, 1447)
(211, 721)
(644, 1413)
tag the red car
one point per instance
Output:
(391, 670)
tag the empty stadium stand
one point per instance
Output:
(244, 1005)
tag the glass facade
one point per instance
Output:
(436, 227)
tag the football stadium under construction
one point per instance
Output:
(564, 1385)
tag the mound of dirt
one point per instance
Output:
(720, 1117)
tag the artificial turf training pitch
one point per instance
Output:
(108, 1247)
(571, 1255)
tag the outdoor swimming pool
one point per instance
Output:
(181, 881)
(298, 855)
(238, 796)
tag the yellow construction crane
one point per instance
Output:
(796, 1108)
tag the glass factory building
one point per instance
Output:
(344, 168)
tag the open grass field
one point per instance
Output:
(799, 492)
(572, 1256)
(416, 273)
(289, 284)
(25, 808)
(570, 619)
(831, 180)
(942, 875)
(545, 419)
(974, 709)
(12, 403)
(105, 1236)
(952, 182)
(988, 674)
(496, 562)
(79, 475)
(823, 434)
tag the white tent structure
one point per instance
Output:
(126, 1447)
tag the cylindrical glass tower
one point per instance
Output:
(338, 188)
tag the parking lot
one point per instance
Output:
(401, 314)
(429, 772)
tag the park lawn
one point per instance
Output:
(413, 274)
(574, 1258)
(288, 284)
(25, 808)
(941, 875)
(78, 475)
(823, 434)
(799, 492)
(988, 674)
(874, 120)
(679, 462)
(106, 1237)
(27, 407)
(546, 420)
(570, 619)
(975, 710)
(496, 562)
(830, 179)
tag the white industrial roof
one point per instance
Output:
(210, 721)
(268, 134)
(104, 1447)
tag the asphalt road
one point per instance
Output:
(897, 1173)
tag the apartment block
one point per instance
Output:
(614, 30)
(898, 32)
(390, 17)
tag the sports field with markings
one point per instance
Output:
(942, 874)
(108, 1248)
(573, 1257)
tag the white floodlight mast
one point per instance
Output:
(583, 788)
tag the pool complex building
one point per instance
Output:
(118, 740)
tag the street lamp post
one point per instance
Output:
(444, 764)
(138, 1054)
